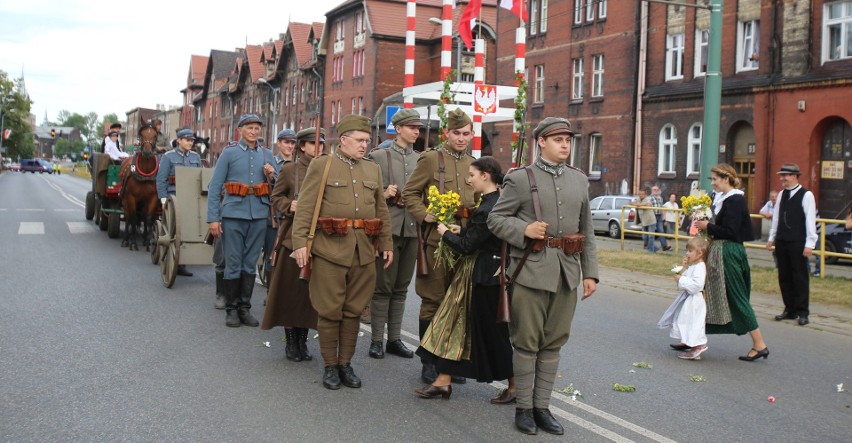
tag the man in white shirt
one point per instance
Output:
(769, 208)
(111, 147)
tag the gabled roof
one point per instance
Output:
(197, 69)
(316, 30)
(253, 56)
(300, 35)
(219, 66)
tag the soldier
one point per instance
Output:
(448, 163)
(288, 302)
(282, 153)
(397, 163)
(240, 217)
(162, 143)
(544, 294)
(353, 215)
(182, 155)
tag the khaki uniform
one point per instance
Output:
(343, 269)
(431, 288)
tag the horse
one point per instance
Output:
(139, 189)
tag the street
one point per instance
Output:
(94, 348)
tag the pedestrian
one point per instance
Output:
(397, 163)
(444, 167)
(545, 207)
(647, 220)
(240, 216)
(480, 349)
(182, 155)
(670, 217)
(728, 285)
(354, 217)
(288, 302)
(793, 234)
(686, 316)
(657, 202)
(768, 209)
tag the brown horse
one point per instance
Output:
(139, 188)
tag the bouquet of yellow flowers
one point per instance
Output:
(697, 207)
(443, 207)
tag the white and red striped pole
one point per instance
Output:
(520, 67)
(478, 79)
(411, 14)
(446, 39)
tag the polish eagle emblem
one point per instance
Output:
(485, 99)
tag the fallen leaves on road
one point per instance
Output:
(623, 388)
(697, 378)
(642, 364)
(264, 345)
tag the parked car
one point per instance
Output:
(36, 165)
(606, 214)
(15, 167)
(837, 239)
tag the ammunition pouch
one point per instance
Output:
(241, 189)
(570, 244)
(339, 227)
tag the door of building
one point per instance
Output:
(835, 174)
(745, 170)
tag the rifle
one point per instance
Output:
(422, 264)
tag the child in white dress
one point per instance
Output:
(687, 314)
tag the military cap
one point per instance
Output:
(353, 122)
(406, 117)
(249, 118)
(309, 134)
(457, 119)
(790, 169)
(552, 125)
(185, 133)
(287, 134)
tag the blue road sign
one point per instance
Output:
(389, 113)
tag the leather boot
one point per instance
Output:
(348, 377)
(244, 304)
(545, 420)
(232, 292)
(428, 373)
(525, 422)
(331, 377)
(291, 351)
(302, 341)
(220, 291)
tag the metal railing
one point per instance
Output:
(677, 236)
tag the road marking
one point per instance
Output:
(79, 227)
(62, 192)
(30, 228)
(30, 210)
(66, 210)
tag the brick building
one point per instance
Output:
(213, 111)
(135, 118)
(194, 87)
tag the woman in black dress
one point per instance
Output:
(489, 348)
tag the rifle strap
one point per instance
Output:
(529, 246)
(390, 166)
(534, 190)
(317, 206)
(441, 170)
(296, 183)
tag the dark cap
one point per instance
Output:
(552, 125)
(111, 133)
(310, 134)
(249, 118)
(406, 117)
(185, 133)
(790, 168)
(115, 125)
(353, 122)
(287, 134)
(457, 119)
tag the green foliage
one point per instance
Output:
(15, 108)
(88, 125)
(66, 147)
(447, 97)
(623, 388)
(642, 364)
(520, 113)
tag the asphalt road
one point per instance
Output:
(94, 348)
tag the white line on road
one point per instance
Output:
(30, 210)
(30, 228)
(80, 227)
(66, 210)
(67, 196)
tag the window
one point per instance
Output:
(595, 150)
(597, 75)
(674, 57)
(295, 94)
(533, 17)
(693, 153)
(577, 93)
(748, 44)
(359, 23)
(333, 114)
(360, 105)
(590, 11)
(578, 12)
(837, 31)
(339, 109)
(576, 144)
(302, 92)
(668, 145)
(354, 106)
(538, 94)
(702, 42)
(340, 31)
(543, 20)
(601, 9)
(358, 63)
(606, 204)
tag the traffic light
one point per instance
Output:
(53, 132)
(85, 156)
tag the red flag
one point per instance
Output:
(516, 6)
(468, 20)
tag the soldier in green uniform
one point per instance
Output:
(353, 215)
(388, 305)
(544, 294)
(449, 163)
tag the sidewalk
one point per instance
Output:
(827, 318)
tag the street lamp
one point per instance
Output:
(262, 81)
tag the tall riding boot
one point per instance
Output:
(428, 373)
(301, 335)
(291, 350)
(244, 305)
(232, 293)
(220, 291)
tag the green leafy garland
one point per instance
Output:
(520, 107)
(447, 97)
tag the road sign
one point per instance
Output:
(389, 113)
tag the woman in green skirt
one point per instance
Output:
(728, 286)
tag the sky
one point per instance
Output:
(113, 56)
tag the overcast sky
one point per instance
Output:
(113, 56)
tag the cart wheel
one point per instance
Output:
(169, 243)
(90, 205)
(156, 232)
(113, 225)
(99, 218)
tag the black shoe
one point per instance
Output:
(302, 335)
(758, 354)
(348, 377)
(666, 248)
(376, 350)
(430, 391)
(232, 319)
(786, 316)
(458, 380)
(182, 271)
(680, 347)
(428, 374)
(525, 422)
(397, 347)
(803, 320)
(544, 420)
(246, 318)
(291, 350)
(330, 377)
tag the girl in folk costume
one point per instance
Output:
(687, 314)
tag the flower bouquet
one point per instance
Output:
(697, 207)
(443, 207)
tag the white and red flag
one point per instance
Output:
(518, 7)
(468, 21)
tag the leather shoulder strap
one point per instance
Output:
(317, 206)
(390, 167)
(441, 170)
(534, 190)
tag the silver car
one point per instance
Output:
(606, 214)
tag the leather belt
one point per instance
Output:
(171, 179)
(357, 223)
